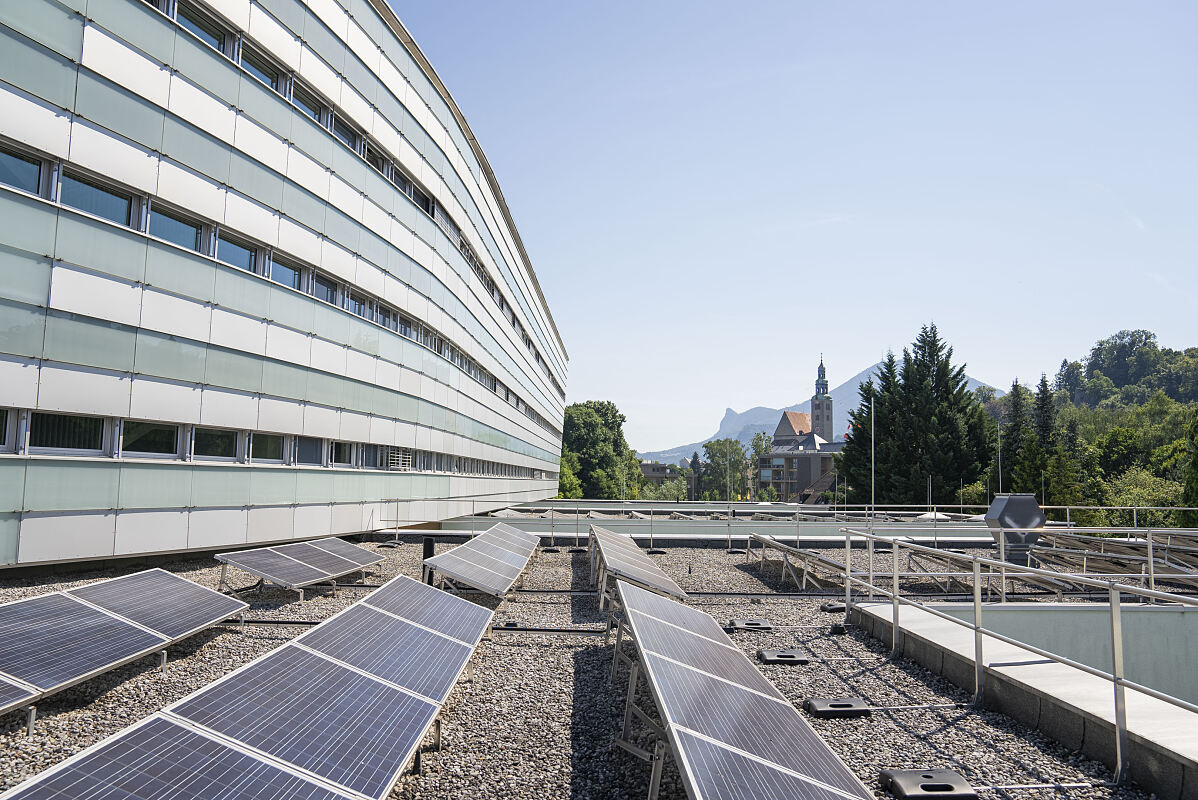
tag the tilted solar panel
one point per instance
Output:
(161, 601)
(159, 759)
(432, 608)
(490, 562)
(359, 555)
(54, 640)
(12, 695)
(346, 727)
(393, 649)
(300, 564)
(733, 734)
(619, 556)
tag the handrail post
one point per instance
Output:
(848, 582)
(894, 598)
(1117, 674)
(979, 666)
(869, 546)
(1151, 567)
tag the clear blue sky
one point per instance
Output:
(715, 193)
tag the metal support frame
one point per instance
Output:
(162, 660)
(30, 719)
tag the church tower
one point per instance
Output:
(821, 406)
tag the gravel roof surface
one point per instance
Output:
(538, 717)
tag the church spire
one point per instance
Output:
(821, 383)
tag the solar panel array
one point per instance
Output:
(490, 562)
(294, 566)
(50, 642)
(337, 713)
(733, 734)
(620, 556)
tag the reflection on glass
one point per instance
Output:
(23, 173)
(175, 230)
(266, 447)
(84, 195)
(149, 437)
(235, 254)
(215, 443)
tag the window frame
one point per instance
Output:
(253, 61)
(136, 202)
(22, 155)
(125, 453)
(256, 253)
(249, 450)
(200, 18)
(203, 229)
(238, 445)
(105, 438)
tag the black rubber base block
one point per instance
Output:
(832, 606)
(550, 550)
(796, 657)
(923, 783)
(836, 707)
(751, 624)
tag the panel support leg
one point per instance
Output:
(224, 574)
(30, 719)
(659, 757)
(615, 658)
(437, 734)
(630, 703)
(162, 660)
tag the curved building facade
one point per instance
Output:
(257, 283)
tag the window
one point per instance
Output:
(213, 443)
(266, 447)
(150, 438)
(260, 68)
(176, 230)
(87, 196)
(198, 23)
(19, 171)
(307, 103)
(286, 275)
(65, 432)
(376, 159)
(345, 133)
(340, 453)
(401, 182)
(324, 289)
(307, 450)
(355, 304)
(235, 254)
(4, 429)
(422, 200)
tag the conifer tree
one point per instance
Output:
(1045, 414)
(1189, 492)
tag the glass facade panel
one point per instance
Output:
(260, 68)
(149, 437)
(201, 26)
(19, 171)
(288, 276)
(307, 450)
(235, 254)
(65, 432)
(212, 443)
(266, 447)
(173, 229)
(94, 199)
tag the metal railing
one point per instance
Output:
(1114, 590)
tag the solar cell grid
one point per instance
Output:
(359, 555)
(162, 760)
(161, 601)
(330, 564)
(688, 648)
(487, 562)
(517, 544)
(718, 773)
(54, 639)
(625, 559)
(346, 727)
(12, 695)
(496, 552)
(274, 567)
(770, 729)
(510, 530)
(392, 649)
(432, 608)
(654, 605)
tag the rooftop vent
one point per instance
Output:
(1019, 520)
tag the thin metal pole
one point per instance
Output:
(1151, 566)
(979, 666)
(894, 598)
(848, 583)
(869, 548)
(1120, 699)
(659, 758)
(873, 484)
(1000, 458)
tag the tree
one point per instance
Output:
(1137, 487)
(568, 485)
(767, 495)
(762, 442)
(1125, 358)
(606, 467)
(1044, 414)
(927, 423)
(1189, 493)
(1117, 451)
(727, 465)
(696, 474)
(1016, 423)
(1071, 379)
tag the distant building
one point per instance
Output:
(657, 473)
(799, 466)
(821, 406)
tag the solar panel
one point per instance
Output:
(715, 772)
(733, 733)
(55, 640)
(376, 643)
(330, 720)
(490, 562)
(300, 564)
(620, 557)
(432, 608)
(12, 695)
(359, 555)
(161, 601)
(161, 760)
